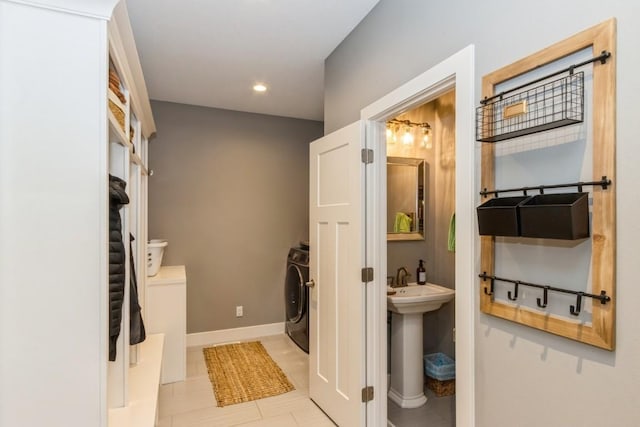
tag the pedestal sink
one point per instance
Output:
(408, 305)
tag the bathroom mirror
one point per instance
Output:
(405, 198)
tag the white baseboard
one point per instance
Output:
(235, 334)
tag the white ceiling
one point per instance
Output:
(211, 52)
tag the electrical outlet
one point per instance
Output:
(239, 311)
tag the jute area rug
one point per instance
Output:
(243, 372)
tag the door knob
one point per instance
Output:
(310, 283)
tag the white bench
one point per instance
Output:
(144, 382)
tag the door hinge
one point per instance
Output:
(367, 274)
(367, 156)
(367, 394)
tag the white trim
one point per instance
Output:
(456, 71)
(100, 9)
(102, 237)
(235, 334)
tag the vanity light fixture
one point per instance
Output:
(259, 87)
(394, 125)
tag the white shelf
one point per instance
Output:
(144, 382)
(114, 98)
(116, 134)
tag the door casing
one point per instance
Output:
(457, 71)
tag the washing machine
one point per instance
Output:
(296, 294)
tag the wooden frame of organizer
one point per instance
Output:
(601, 331)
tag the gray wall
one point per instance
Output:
(524, 377)
(230, 193)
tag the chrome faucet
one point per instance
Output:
(401, 277)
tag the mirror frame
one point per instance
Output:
(418, 163)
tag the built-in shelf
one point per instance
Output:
(133, 378)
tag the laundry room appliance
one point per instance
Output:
(296, 294)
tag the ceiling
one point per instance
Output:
(212, 52)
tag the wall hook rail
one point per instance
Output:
(604, 183)
(573, 309)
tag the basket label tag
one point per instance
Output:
(515, 109)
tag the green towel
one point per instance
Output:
(402, 223)
(451, 245)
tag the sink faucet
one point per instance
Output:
(401, 277)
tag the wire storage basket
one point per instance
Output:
(547, 106)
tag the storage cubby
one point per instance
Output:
(133, 377)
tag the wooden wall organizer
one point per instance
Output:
(601, 331)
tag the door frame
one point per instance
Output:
(457, 71)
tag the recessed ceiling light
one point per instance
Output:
(259, 87)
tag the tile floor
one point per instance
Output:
(437, 412)
(192, 403)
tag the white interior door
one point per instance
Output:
(337, 300)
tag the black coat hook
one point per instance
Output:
(490, 291)
(515, 292)
(576, 310)
(545, 294)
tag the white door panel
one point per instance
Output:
(337, 330)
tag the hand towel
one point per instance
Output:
(451, 245)
(402, 223)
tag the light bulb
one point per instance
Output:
(426, 141)
(407, 138)
(391, 137)
(425, 138)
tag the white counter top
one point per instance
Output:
(169, 275)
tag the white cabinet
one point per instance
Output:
(166, 312)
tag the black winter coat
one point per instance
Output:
(117, 198)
